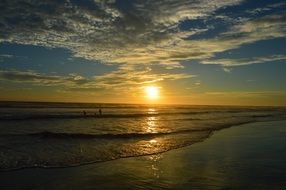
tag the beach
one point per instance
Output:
(142, 95)
(249, 156)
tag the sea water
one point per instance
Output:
(62, 135)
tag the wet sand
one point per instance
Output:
(250, 156)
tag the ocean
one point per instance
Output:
(54, 135)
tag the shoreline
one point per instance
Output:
(219, 161)
(211, 133)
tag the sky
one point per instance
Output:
(219, 52)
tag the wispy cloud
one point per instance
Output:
(41, 79)
(123, 79)
(266, 8)
(5, 56)
(245, 61)
(132, 76)
(247, 94)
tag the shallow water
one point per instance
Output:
(250, 156)
(60, 135)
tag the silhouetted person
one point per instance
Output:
(84, 113)
(100, 112)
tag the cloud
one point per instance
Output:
(5, 56)
(265, 28)
(105, 30)
(40, 79)
(244, 61)
(227, 70)
(172, 51)
(136, 33)
(135, 76)
(123, 79)
(247, 94)
(266, 8)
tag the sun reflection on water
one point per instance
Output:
(151, 125)
(151, 111)
(153, 145)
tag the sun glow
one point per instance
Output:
(152, 92)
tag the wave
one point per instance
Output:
(52, 149)
(55, 135)
(90, 116)
(206, 126)
(48, 153)
(132, 115)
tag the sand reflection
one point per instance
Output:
(155, 169)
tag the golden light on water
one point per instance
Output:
(153, 141)
(151, 125)
(152, 92)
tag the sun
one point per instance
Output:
(152, 92)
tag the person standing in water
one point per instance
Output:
(100, 112)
